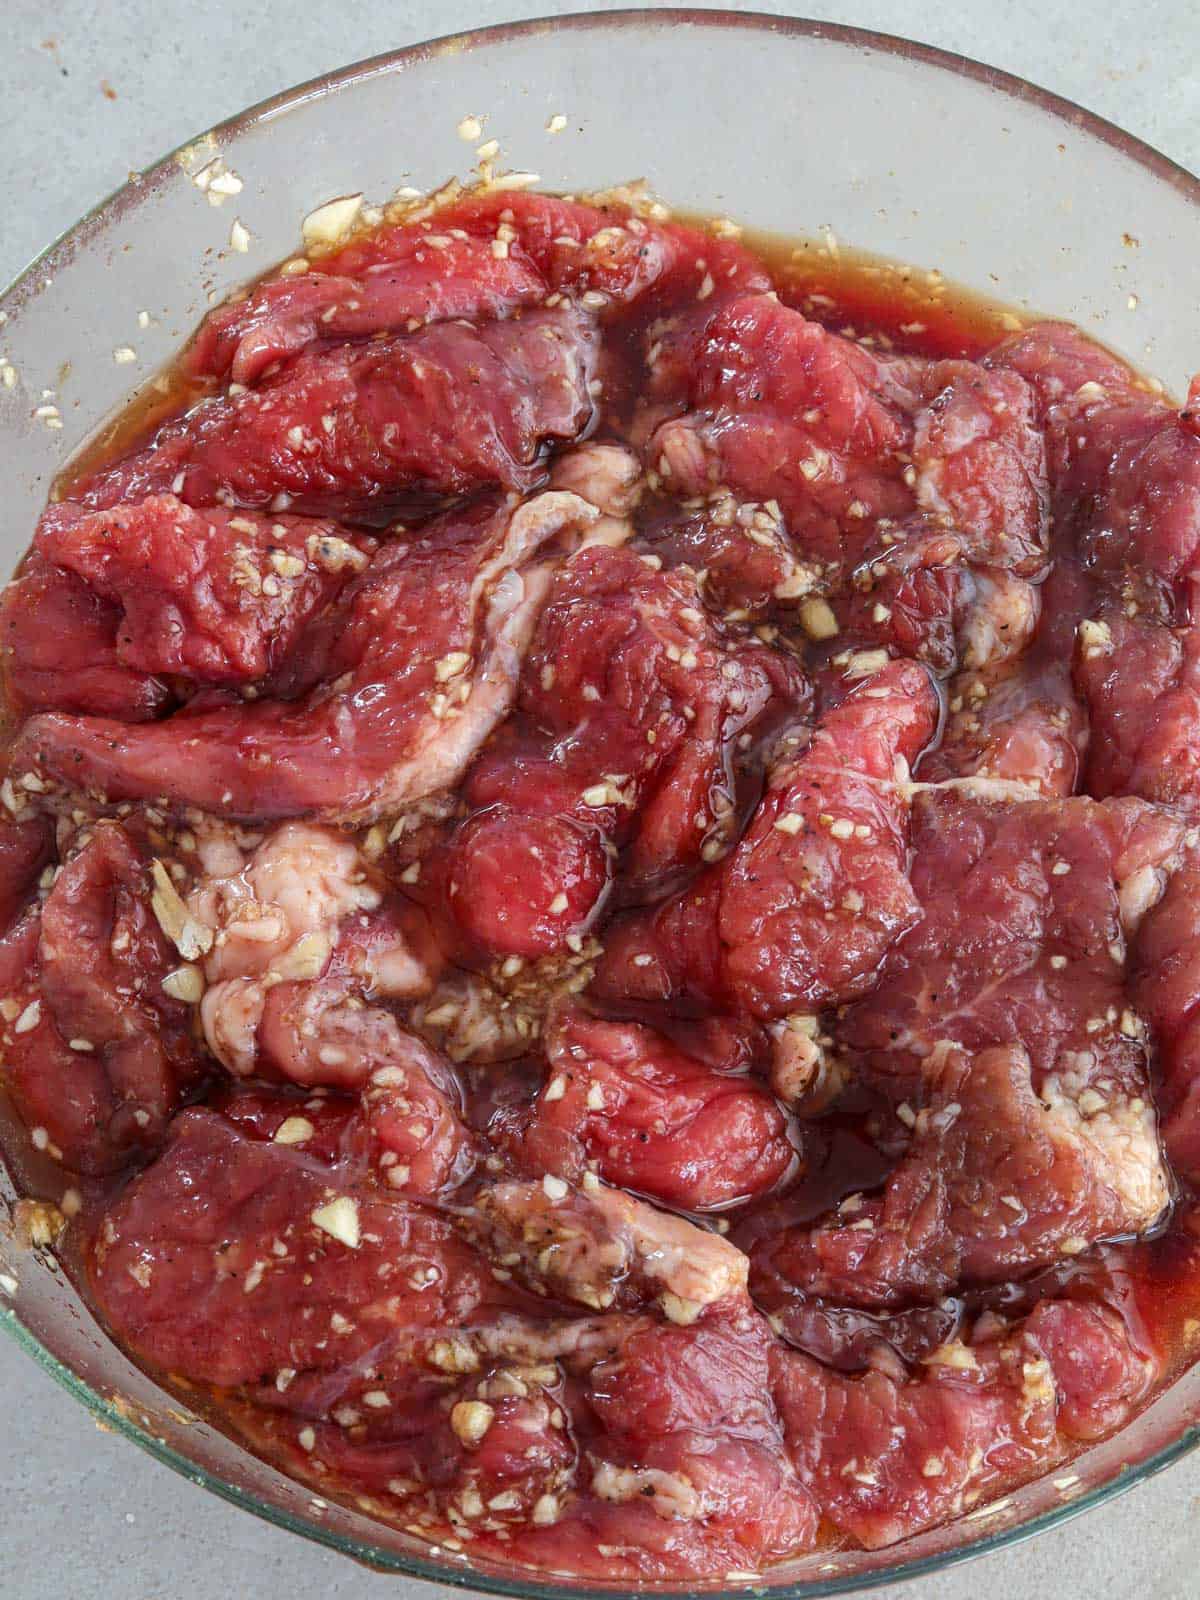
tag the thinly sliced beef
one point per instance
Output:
(1057, 360)
(26, 846)
(1136, 486)
(646, 723)
(188, 1267)
(478, 259)
(918, 598)
(1013, 715)
(885, 1457)
(382, 1344)
(98, 1054)
(914, 597)
(997, 1182)
(1168, 993)
(691, 1466)
(1140, 681)
(358, 428)
(925, 586)
(809, 902)
(417, 667)
(1022, 728)
(981, 463)
(213, 596)
(742, 549)
(781, 410)
(1026, 910)
(602, 248)
(1040, 1136)
(519, 883)
(419, 282)
(652, 1118)
(1132, 482)
(60, 651)
(655, 705)
(301, 945)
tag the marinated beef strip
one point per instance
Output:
(414, 668)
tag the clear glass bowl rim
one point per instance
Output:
(518, 1586)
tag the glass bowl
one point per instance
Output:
(786, 125)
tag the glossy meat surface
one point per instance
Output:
(350, 428)
(98, 1054)
(801, 913)
(217, 597)
(646, 1116)
(415, 667)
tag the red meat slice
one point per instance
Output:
(650, 700)
(477, 259)
(60, 649)
(420, 664)
(644, 693)
(400, 1131)
(1015, 717)
(427, 276)
(243, 1262)
(1022, 728)
(520, 884)
(26, 845)
(403, 1128)
(652, 1118)
(806, 906)
(98, 1055)
(492, 1454)
(408, 1124)
(691, 1465)
(602, 248)
(680, 1475)
(1130, 468)
(1026, 912)
(188, 1270)
(981, 463)
(651, 715)
(1136, 475)
(351, 428)
(742, 549)
(915, 597)
(754, 353)
(1140, 681)
(997, 1182)
(1124, 467)
(905, 591)
(214, 596)
(885, 1458)
(783, 411)
(1057, 360)
(1168, 992)
(648, 1452)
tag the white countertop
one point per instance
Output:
(93, 90)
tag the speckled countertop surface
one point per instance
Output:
(93, 89)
